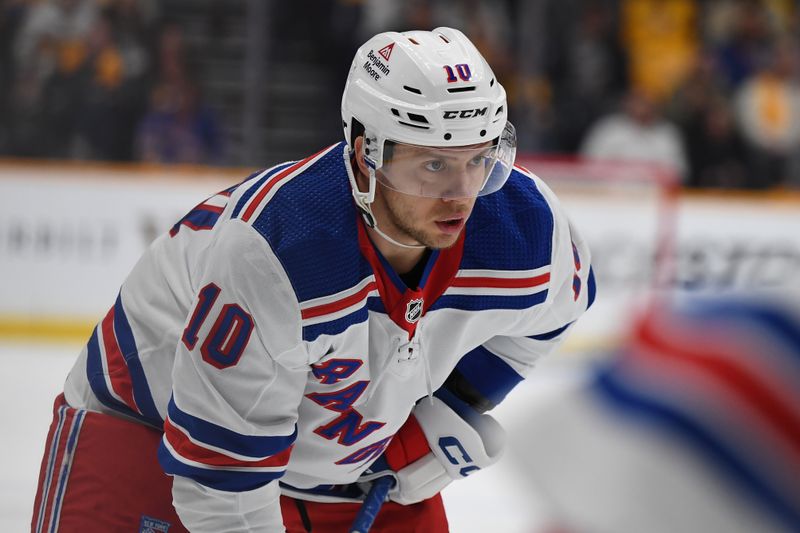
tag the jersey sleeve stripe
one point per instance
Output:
(512, 274)
(348, 301)
(220, 479)
(550, 334)
(182, 446)
(501, 283)
(97, 378)
(322, 300)
(217, 437)
(335, 325)
(259, 197)
(127, 344)
(115, 364)
(259, 178)
(484, 301)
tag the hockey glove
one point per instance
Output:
(434, 447)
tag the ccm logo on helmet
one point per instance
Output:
(466, 113)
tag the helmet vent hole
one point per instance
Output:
(483, 132)
(442, 37)
(412, 89)
(499, 110)
(491, 83)
(417, 118)
(461, 89)
(413, 41)
(395, 112)
(448, 136)
(416, 126)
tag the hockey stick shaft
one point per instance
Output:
(372, 505)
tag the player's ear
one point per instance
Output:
(358, 146)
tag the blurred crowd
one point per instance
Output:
(710, 89)
(100, 80)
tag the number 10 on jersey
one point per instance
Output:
(228, 336)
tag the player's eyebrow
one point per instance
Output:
(445, 153)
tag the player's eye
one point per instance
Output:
(434, 165)
(477, 160)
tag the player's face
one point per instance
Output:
(433, 222)
(413, 218)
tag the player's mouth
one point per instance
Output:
(451, 225)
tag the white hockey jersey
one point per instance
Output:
(270, 339)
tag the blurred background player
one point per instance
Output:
(692, 426)
(326, 322)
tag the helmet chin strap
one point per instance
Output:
(400, 244)
(364, 203)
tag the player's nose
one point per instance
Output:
(461, 186)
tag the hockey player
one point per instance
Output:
(326, 322)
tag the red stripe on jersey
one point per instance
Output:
(117, 367)
(208, 207)
(187, 449)
(501, 283)
(259, 197)
(712, 361)
(523, 169)
(338, 305)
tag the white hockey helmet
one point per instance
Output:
(426, 89)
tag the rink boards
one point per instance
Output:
(70, 233)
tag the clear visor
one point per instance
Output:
(444, 172)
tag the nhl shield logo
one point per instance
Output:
(414, 310)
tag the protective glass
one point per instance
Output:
(445, 172)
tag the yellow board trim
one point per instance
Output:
(37, 329)
(61, 330)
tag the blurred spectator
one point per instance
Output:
(693, 426)
(703, 86)
(661, 37)
(80, 79)
(742, 32)
(51, 30)
(52, 36)
(715, 149)
(767, 108)
(178, 127)
(12, 13)
(572, 69)
(638, 133)
(112, 95)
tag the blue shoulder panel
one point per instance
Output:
(511, 229)
(310, 225)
